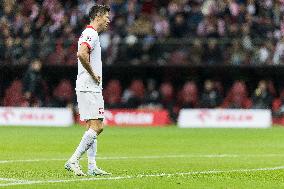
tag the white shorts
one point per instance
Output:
(90, 104)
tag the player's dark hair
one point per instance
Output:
(97, 10)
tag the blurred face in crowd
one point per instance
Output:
(212, 43)
(151, 84)
(179, 19)
(208, 85)
(245, 29)
(36, 65)
(7, 9)
(262, 85)
(9, 42)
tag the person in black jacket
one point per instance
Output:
(262, 97)
(211, 97)
(32, 84)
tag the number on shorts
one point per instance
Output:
(101, 111)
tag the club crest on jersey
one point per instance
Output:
(89, 39)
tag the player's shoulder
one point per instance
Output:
(89, 30)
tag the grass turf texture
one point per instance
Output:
(245, 149)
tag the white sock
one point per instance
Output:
(92, 152)
(86, 142)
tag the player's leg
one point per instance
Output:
(85, 143)
(96, 125)
(88, 138)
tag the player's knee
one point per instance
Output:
(98, 127)
(100, 130)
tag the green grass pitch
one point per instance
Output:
(34, 157)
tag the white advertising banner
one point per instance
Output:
(224, 118)
(19, 116)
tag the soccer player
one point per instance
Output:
(89, 90)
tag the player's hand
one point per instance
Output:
(97, 79)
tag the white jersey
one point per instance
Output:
(85, 82)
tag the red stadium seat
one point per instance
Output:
(277, 103)
(189, 95)
(64, 90)
(237, 97)
(138, 89)
(167, 92)
(112, 92)
(271, 88)
(14, 96)
(168, 99)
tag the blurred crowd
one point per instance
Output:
(146, 31)
(32, 90)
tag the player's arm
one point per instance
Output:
(83, 54)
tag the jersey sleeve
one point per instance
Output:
(89, 39)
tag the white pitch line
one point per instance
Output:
(152, 157)
(9, 179)
(210, 172)
(29, 160)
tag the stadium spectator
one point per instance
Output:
(133, 96)
(32, 84)
(210, 97)
(212, 53)
(257, 25)
(178, 26)
(199, 32)
(237, 54)
(262, 97)
(278, 105)
(152, 96)
(264, 53)
(279, 53)
(195, 16)
(196, 52)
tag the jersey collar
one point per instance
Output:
(89, 26)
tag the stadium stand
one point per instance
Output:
(154, 33)
(248, 30)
